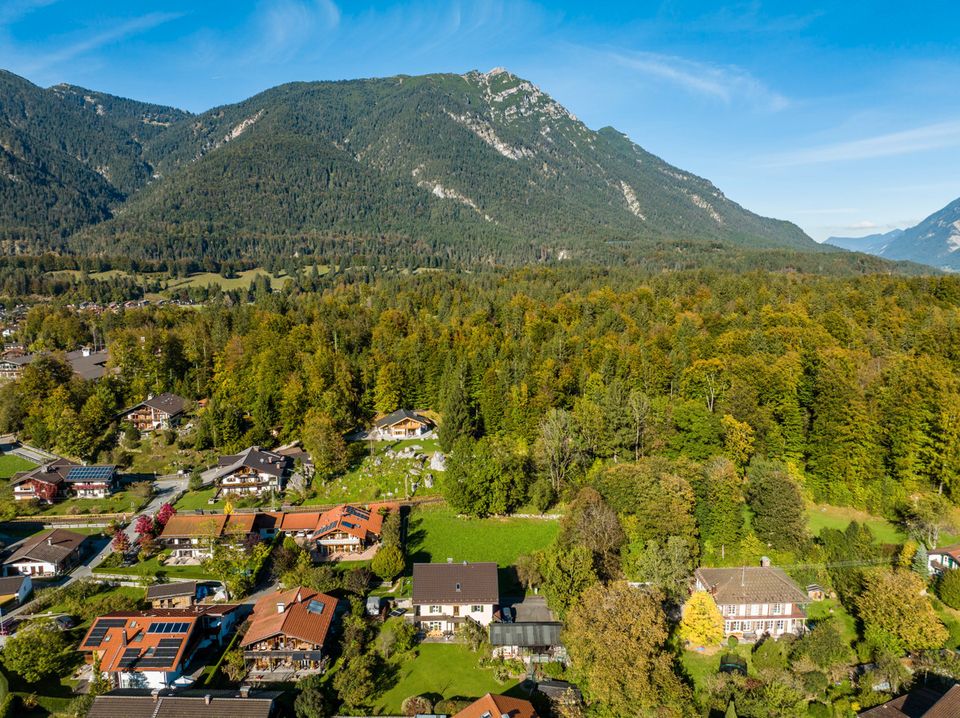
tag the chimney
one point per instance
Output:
(458, 588)
(155, 694)
(49, 540)
(123, 637)
(765, 561)
(206, 699)
(280, 607)
(244, 691)
(449, 559)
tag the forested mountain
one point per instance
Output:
(475, 167)
(486, 161)
(935, 241)
(67, 157)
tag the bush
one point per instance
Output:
(450, 706)
(416, 705)
(733, 642)
(948, 588)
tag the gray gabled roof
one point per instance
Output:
(527, 635)
(127, 706)
(399, 415)
(51, 546)
(455, 583)
(11, 585)
(171, 590)
(751, 584)
(263, 461)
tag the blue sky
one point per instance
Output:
(843, 117)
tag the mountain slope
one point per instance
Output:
(67, 157)
(871, 243)
(935, 241)
(482, 161)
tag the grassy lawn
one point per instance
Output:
(129, 591)
(118, 503)
(154, 456)
(198, 500)
(440, 671)
(379, 476)
(700, 666)
(435, 533)
(241, 281)
(10, 464)
(820, 610)
(951, 619)
(152, 567)
(821, 516)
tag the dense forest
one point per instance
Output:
(853, 382)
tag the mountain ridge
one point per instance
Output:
(476, 167)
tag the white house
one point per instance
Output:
(48, 553)
(15, 588)
(943, 559)
(446, 595)
(253, 471)
(400, 424)
(755, 600)
(152, 649)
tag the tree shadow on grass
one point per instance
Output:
(415, 537)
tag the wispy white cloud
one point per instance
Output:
(13, 10)
(284, 28)
(920, 139)
(96, 41)
(727, 84)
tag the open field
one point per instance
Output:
(11, 464)
(117, 503)
(381, 476)
(241, 281)
(820, 516)
(440, 671)
(435, 533)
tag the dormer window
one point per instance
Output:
(458, 588)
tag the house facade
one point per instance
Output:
(15, 588)
(446, 595)
(943, 559)
(755, 600)
(288, 630)
(49, 553)
(153, 649)
(62, 479)
(194, 536)
(181, 594)
(346, 530)
(157, 413)
(252, 472)
(400, 424)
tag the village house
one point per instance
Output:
(62, 479)
(156, 413)
(86, 363)
(288, 630)
(299, 457)
(152, 649)
(400, 424)
(15, 588)
(252, 472)
(943, 559)
(48, 553)
(494, 706)
(755, 600)
(448, 594)
(532, 641)
(194, 536)
(921, 702)
(208, 703)
(180, 594)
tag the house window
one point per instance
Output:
(777, 609)
(780, 625)
(731, 610)
(435, 609)
(755, 609)
(734, 625)
(747, 625)
(476, 609)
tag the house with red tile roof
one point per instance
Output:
(288, 630)
(943, 558)
(493, 706)
(194, 536)
(153, 649)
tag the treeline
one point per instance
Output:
(851, 382)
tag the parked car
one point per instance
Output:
(65, 623)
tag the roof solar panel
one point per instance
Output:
(90, 473)
(111, 623)
(95, 638)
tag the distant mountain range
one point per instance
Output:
(481, 166)
(935, 241)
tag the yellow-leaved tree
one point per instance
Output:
(702, 624)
